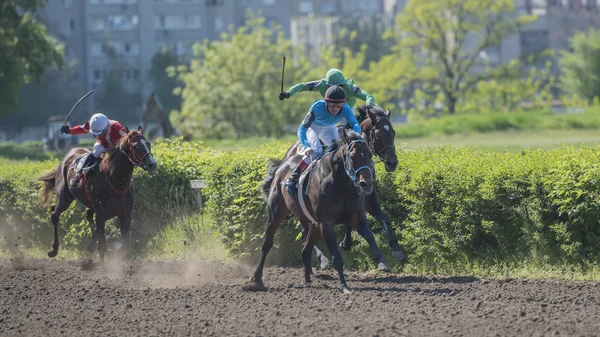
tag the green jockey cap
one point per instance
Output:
(334, 77)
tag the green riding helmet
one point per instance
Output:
(334, 77)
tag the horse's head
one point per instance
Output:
(358, 161)
(139, 150)
(376, 124)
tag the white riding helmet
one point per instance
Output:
(98, 124)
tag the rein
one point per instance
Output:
(350, 171)
(135, 163)
(372, 140)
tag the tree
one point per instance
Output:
(232, 84)
(444, 41)
(356, 32)
(115, 99)
(163, 83)
(54, 95)
(26, 50)
(580, 69)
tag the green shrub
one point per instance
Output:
(453, 209)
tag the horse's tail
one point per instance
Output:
(47, 189)
(272, 167)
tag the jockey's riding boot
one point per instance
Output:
(292, 182)
(89, 160)
(75, 180)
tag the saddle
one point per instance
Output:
(78, 163)
(304, 180)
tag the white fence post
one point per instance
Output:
(197, 185)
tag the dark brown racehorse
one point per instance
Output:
(336, 195)
(106, 191)
(380, 134)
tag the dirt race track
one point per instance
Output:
(59, 297)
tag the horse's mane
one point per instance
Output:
(374, 108)
(351, 135)
(122, 143)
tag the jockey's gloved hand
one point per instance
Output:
(308, 151)
(65, 129)
(283, 95)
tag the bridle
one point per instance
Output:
(349, 168)
(136, 160)
(372, 139)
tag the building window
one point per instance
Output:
(533, 43)
(305, 7)
(115, 22)
(214, 3)
(591, 4)
(177, 22)
(114, 2)
(72, 25)
(328, 7)
(219, 25)
(99, 49)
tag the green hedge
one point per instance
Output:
(500, 121)
(456, 207)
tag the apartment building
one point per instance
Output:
(136, 29)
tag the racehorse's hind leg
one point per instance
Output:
(276, 212)
(62, 203)
(89, 215)
(307, 247)
(373, 206)
(325, 264)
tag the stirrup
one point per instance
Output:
(75, 181)
(292, 189)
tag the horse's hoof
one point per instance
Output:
(345, 290)
(398, 255)
(254, 286)
(91, 247)
(343, 248)
(87, 265)
(325, 263)
(52, 253)
(384, 267)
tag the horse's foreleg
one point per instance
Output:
(89, 215)
(307, 247)
(101, 236)
(346, 244)
(125, 221)
(362, 227)
(276, 212)
(320, 256)
(373, 206)
(336, 256)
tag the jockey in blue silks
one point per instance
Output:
(320, 124)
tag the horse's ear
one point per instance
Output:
(372, 115)
(362, 115)
(140, 129)
(126, 130)
(388, 113)
(345, 134)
